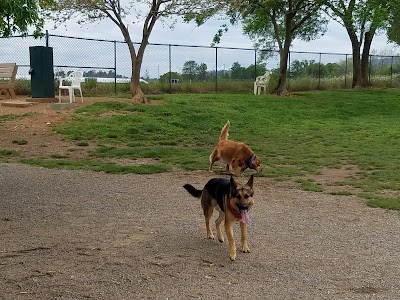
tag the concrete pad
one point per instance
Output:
(61, 105)
(43, 100)
(17, 103)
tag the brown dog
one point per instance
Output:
(232, 201)
(235, 154)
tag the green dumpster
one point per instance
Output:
(41, 71)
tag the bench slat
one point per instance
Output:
(7, 65)
(9, 71)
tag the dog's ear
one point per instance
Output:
(233, 183)
(250, 182)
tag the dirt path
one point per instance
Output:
(85, 235)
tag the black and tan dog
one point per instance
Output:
(235, 154)
(232, 201)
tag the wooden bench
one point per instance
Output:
(8, 72)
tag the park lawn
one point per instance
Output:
(295, 136)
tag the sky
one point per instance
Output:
(156, 61)
(335, 40)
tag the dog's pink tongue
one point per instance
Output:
(245, 216)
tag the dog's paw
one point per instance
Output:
(211, 237)
(232, 257)
(245, 249)
(220, 240)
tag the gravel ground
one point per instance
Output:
(85, 235)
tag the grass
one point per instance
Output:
(294, 136)
(11, 117)
(310, 185)
(20, 142)
(97, 165)
(7, 153)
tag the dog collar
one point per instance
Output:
(234, 211)
(250, 161)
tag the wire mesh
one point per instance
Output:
(186, 64)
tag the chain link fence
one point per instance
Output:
(173, 66)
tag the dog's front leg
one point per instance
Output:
(229, 235)
(235, 167)
(218, 225)
(207, 215)
(243, 229)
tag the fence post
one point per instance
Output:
(170, 69)
(115, 67)
(345, 75)
(319, 72)
(369, 70)
(288, 73)
(255, 64)
(216, 69)
(391, 72)
(47, 38)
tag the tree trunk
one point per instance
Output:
(356, 63)
(281, 89)
(136, 63)
(135, 89)
(365, 59)
(137, 93)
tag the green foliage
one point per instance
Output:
(17, 16)
(300, 19)
(362, 20)
(165, 78)
(239, 72)
(23, 87)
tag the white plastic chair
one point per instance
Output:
(75, 78)
(261, 83)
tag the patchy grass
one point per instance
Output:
(11, 117)
(294, 136)
(310, 185)
(20, 142)
(98, 166)
(384, 202)
(7, 153)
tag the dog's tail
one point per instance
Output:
(192, 190)
(224, 132)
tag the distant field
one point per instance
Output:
(103, 86)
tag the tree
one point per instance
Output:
(189, 70)
(270, 23)
(237, 71)
(393, 32)
(278, 23)
(252, 72)
(145, 12)
(18, 15)
(165, 78)
(362, 20)
(202, 72)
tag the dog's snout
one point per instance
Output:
(242, 206)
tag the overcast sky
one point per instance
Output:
(156, 60)
(335, 40)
